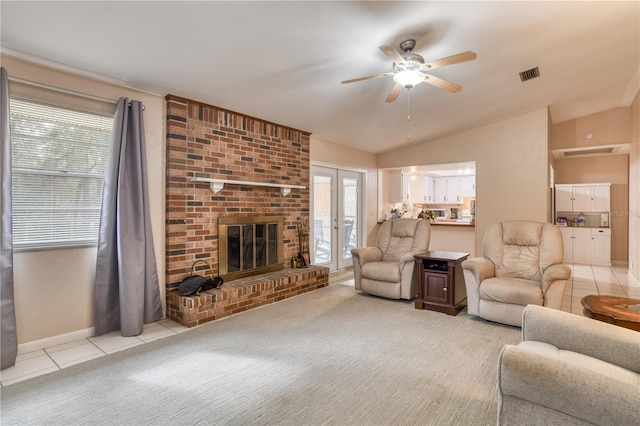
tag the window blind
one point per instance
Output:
(59, 157)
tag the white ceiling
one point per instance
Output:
(283, 61)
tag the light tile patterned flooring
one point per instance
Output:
(44, 361)
(585, 280)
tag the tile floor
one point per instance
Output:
(46, 360)
(585, 280)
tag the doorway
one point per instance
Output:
(336, 205)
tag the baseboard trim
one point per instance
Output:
(61, 339)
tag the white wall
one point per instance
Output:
(512, 178)
(331, 154)
(54, 288)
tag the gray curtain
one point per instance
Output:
(9, 337)
(127, 293)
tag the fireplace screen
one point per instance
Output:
(250, 245)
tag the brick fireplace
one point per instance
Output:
(205, 141)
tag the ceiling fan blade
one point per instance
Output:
(393, 94)
(393, 54)
(386, 74)
(443, 84)
(453, 59)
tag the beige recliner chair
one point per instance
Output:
(387, 269)
(569, 370)
(522, 265)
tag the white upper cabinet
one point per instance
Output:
(440, 190)
(450, 189)
(453, 190)
(583, 198)
(421, 189)
(601, 198)
(398, 186)
(468, 186)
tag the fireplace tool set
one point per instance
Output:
(303, 242)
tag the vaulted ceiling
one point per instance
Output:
(284, 61)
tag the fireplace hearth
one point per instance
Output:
(250, 246)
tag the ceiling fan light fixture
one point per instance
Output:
(409, 78)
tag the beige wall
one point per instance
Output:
(613, 169)
(612, 127)
(54, 288)
(325, 153)
(511, 166)
(634, 190)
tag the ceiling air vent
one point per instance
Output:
(529, 74)
(607, 150)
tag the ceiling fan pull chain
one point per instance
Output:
(408, 113)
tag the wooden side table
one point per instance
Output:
(440, 281)
(620, 311)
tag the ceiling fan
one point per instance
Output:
(410, 69)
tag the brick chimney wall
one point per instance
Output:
(211, 142)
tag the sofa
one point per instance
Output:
(569, 370)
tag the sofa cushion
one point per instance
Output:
(511, 290)
(382, 271)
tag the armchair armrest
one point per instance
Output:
(610, 343)
(554, 273)
(366, 254)
(409, 257)
(480, 267)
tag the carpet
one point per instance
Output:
(332, 356)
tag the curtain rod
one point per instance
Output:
(62, 90)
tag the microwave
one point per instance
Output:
(439, 212)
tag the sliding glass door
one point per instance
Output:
(337, 216)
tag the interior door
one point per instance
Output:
(336, 216)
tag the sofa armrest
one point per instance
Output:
(554, 273)
(569, 388)
(607, 342)
(366, 254)
(480, 267)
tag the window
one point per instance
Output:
(59, 157)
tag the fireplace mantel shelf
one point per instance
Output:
(216, 185)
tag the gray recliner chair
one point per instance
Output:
(522, 265)
(387, 270)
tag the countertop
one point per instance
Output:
(448, 222)
(451, 222)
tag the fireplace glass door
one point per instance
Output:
(250, 245)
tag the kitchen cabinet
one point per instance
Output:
(587, 245)
(446, 190)
(398, 186)
(440, 190)
(583, 198)
(421, 189)
(468, 186)
(453, 190)
(601, 238)
(429, 189)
